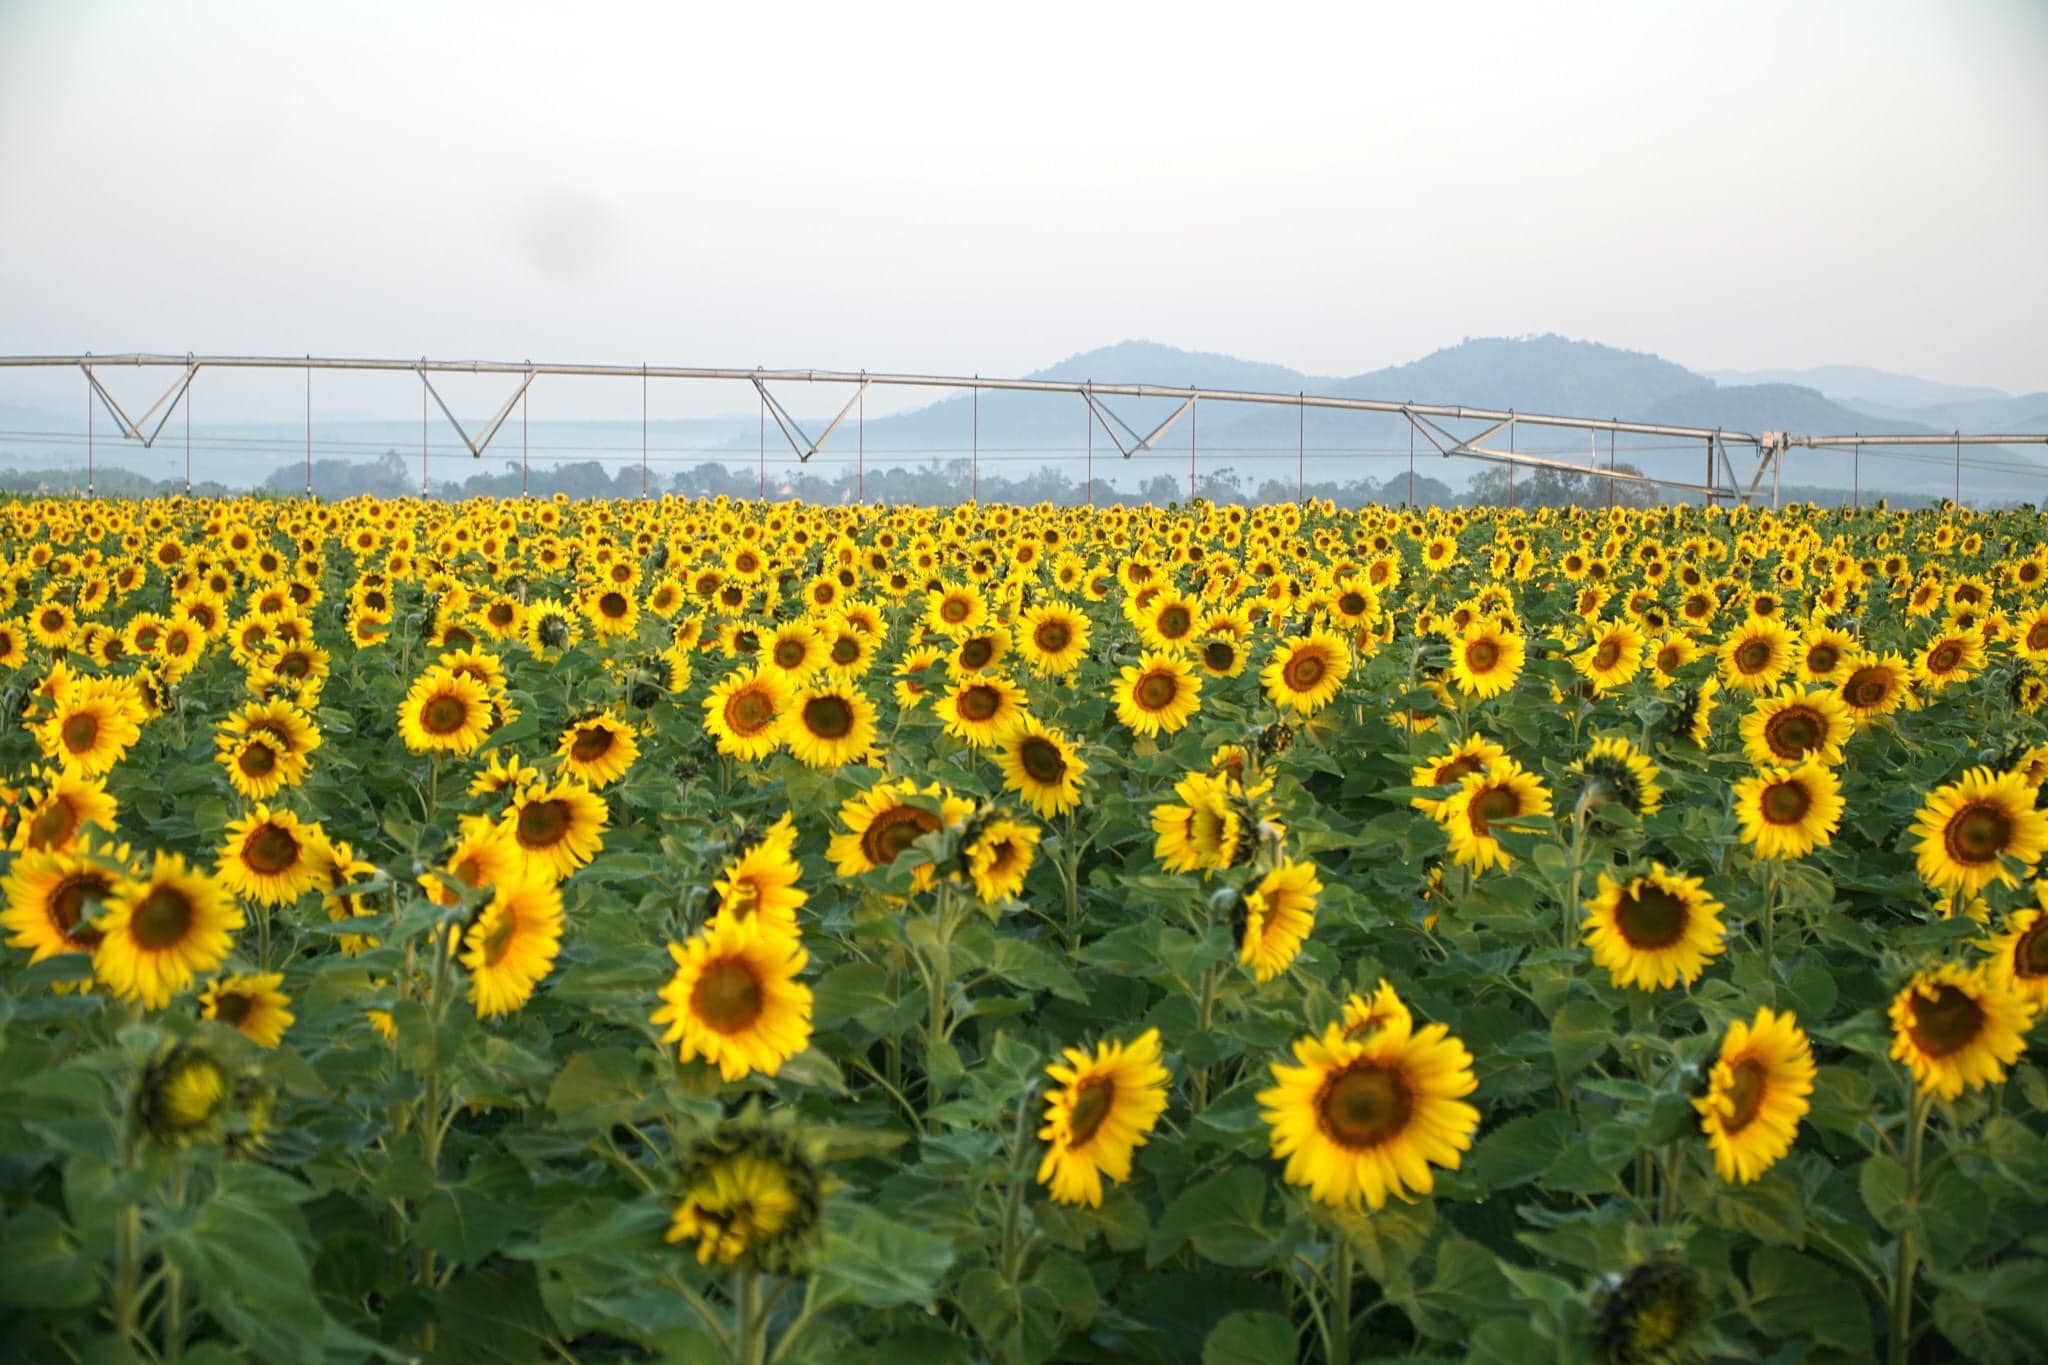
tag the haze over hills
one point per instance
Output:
(1250, 446)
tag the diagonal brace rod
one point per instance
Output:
(477, 446)
(133, 429)
(1140, 443)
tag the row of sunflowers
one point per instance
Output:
(707, 930)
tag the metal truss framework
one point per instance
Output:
(1719, 479)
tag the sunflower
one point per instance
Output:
(982, 709)
(1756, 654)
(1823, 652)
(1505, 791)
(2019, 956)
(1207, 832)
(1957, 1030)
(762, 882)
(512, 945)
(485, 856)
(1617, 773)
(796, 651)
(1473, 754)
(1306, 673)
(444, 713)
(1794, 726)
(559, 828)
(52, 897)
(829, 725)
(161, 930)
(1102, 1109)
(1655, 930)
(743, 713)
(550, 628)
(1614, 656)
(979, 651)
(252, 1004)
(1364, 1117)
(95, 722)
(881, 823)
(14, 639)
(1053, 639)
(1967, 829)
(1949, 658)
(257, 766)
(183, 1096)
(597, 750)
(1787, 812)
(2030, 634)
(998, 858)
(750, 1201)
(1485, 659)
(911, 690)
(1279, 913)
(1875, 685)
(734, 999)
(955, 610)
(1159, 695)
(503, 772)
(54, 814)
(1041, 765)
(1756, 1094)
(613, 614)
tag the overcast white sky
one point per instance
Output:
(990, 188)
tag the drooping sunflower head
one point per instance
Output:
(998, 857)
(1958, 1029)
(1102, 1109)
(762, 881)
(1616, 773)
(512, 945)
(183, 1096)
(1655, 930)
(1279, 914)
(1651, 1315)
(750, 1199)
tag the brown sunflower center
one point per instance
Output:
(1650, 917)
(979, 702)
(1977, 833)
(53, 826)
(81, 732)
(1175, 622)
(845, 651)
(296, 664)
(1481, 656)
(892, 831)
(232, 1007)
(1947, 1023)
(1304, 670)
(1822, 658)
(1364, 1105)
(1753, 656)
(2030, 954)
(1091, 1109)
(2037, 635)
(728, 996)
(1867, 687)
(1745, 1095)
(1041, 759)
(1052, 636)
(828, 717)
(1794, 731)
(1156, 691)
(954, 610)
(163, 919)
(1219, 655)
(789, 653)
(1944, 657)
(444, 714)
(1608, 655)
(257, 759)
(1463, 764)
(502, 614)
(270, 849)
(53, 621)
(1786, 803)
(977, 652)
(592, 743)
(66, 906)
(748, 712)
(543, 824)
(613, 605)
(1351, 603)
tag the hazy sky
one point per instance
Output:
(990, 188)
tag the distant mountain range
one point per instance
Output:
(1259, 445)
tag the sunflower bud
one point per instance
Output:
(183, 1096)
(1650, 1315)
(750, 1200)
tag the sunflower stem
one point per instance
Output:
(750, 1338)
(1570, 932)
(1909, 1245)
(1340, 1303)
(1770, 913)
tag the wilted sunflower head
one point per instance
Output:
(749, 1199)
(183, 1096)
(1649, 1317)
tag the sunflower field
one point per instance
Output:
(710, 931)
